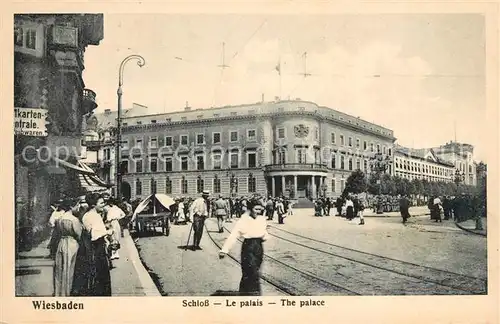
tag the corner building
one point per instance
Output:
(292, 148)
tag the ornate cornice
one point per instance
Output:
(273, 115)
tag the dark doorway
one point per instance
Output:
(126, 190)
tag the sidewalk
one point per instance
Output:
(470, 226)
(34, 271)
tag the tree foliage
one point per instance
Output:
(356, 183)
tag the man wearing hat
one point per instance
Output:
(199, 210)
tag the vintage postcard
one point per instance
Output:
(236, 162)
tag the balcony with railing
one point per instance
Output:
(296, 167)
(89, 101)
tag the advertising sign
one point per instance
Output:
(30, 121)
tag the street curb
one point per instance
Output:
(148, 286)
(469, 230)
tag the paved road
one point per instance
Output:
(180, 272)
(441, 246)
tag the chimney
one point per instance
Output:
(187, 108)
(262, 97)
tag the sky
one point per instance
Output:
(422, 76)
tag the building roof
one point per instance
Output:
(421, 154)
(251, 110)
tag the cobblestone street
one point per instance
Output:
(424, 258)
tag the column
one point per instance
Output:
(273, 186)
(313, 187)
(283, 185)
(321, 185)
(295, 187)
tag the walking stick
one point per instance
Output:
(189, 237)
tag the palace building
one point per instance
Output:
(292, 148)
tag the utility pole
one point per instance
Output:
(223, 65)
(305, 74)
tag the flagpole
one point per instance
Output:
(279, 72)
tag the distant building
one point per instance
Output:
(421, 164)
(461, 156)
(100, 136)
(292, 148)
(48, 64)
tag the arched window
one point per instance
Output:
(153, 186)
(342, 163)
(350, 164)
(168, 186)
(200, 184)
(216, 184)
(138, 187)
(184, 185)
(252, 186)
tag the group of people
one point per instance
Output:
(459, 208)
(86, 234)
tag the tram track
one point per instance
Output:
(292, 280)
(409, 274)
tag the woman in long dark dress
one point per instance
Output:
(252, 228)
(95, 277)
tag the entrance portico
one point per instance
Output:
(296, 184)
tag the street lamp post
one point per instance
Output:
(119, 92)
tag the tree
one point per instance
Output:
(373, 186)
(355, 183)
(419, 187)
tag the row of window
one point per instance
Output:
(420, 176)
(421, 167)
(200, 139)
(234, 137)
(383, 149)
(200, 185)
(234, 163)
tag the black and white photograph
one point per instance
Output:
(201, 155)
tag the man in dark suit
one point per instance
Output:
(404, 207)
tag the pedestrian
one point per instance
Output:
(113, 216)
(362, 202)
(280, 210)
(270, 208)
(338, 204)
(180, 217)
(404, 206)
(57, 213)
(199, 211)
(349, 207)
(328, 206)
(252, 228)
(96, 276)
(436, 207)
(290, 206)
(220, 212)
(70, 230)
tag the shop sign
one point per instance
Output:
(30, 122)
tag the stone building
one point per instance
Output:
(461, 156)
(48, 63)
(291, 148)
(421, 164)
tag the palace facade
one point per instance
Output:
(291, 148)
